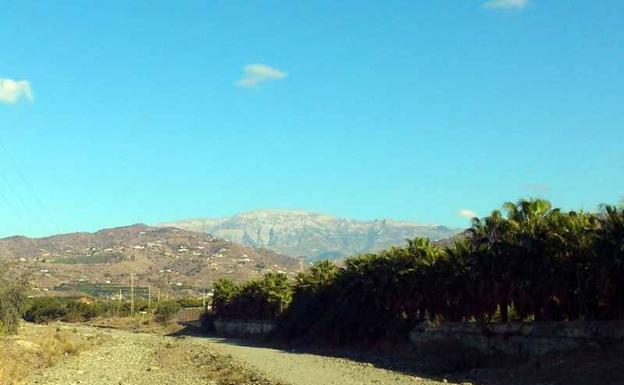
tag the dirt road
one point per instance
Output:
(148, 359)
(296, 368)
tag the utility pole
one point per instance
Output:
(204, 299)
(119, 304)
(131, 294)
(149, 298)
(301, 264)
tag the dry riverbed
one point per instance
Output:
(127, 358)
(88, 355)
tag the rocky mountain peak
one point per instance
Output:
(310, 234)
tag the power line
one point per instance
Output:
(7, 203)
(29, 187)
(13, 191)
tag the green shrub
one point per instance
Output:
(263, 299)
(11, 307)
(191, 302)
(225, 291)
(166, 311)
(45, 309)
(79, 311)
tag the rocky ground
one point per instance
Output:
(300, 368)
(122, 357)
(149, 359)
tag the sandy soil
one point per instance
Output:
(297, 368)
(149, 359)
(122, 357)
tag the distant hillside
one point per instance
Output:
(317, 236)
(166, 258)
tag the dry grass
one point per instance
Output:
(37, 347)
(216, 368)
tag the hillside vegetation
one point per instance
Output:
(167, 259)
(529, 261)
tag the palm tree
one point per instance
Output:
(493, 263)
(610, 269)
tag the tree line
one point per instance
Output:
(15, 306)
(528, 261)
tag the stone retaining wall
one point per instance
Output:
(524, 339)
(244, 328)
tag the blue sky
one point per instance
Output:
(120, 112)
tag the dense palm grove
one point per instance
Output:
(526, 262)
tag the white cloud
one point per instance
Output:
(254, 74)
(11, 91)
(466, 213)
(506, 4)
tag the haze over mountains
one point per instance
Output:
(316, 236)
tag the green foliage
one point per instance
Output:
(321, 274)
(529, 261)
(45, 309)
(190, 302)
(313, 295)
(371, 297)
(543, 263)
(11, 307)
(225, 291)
(262, 299)
(104, 289)
(79, 311)
(166, 311)
(48, 309)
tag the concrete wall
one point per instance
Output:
(244, 328)
(523, 339)
(189, 314)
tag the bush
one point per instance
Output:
(264, 299)
(80, 311)
(11, 307)
(225, 291)
(191, 302)
(45, 309)
(166, 311)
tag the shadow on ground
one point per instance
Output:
(604, 367)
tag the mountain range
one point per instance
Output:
(189, 255)
(312, 235)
